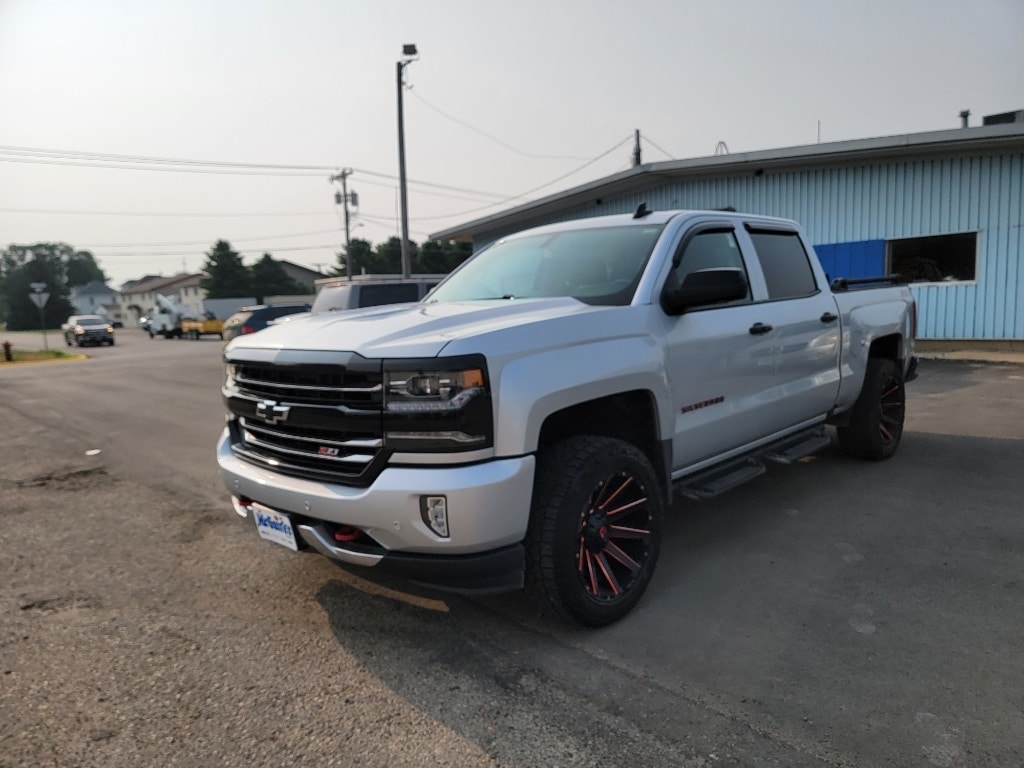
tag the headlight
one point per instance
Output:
(110, 329)
(79, 330)
(229, 374)
(431, 390)
(437, 404)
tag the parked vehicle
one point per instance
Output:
(339, 293)
(81, 330)
(208, 326)
(256, 318)
(530, 420)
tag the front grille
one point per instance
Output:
(319, 421)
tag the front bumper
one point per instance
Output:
(488, 511)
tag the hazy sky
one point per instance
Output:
(506, 98)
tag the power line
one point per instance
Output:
(157, 213)
(180, 165)
(173, 254)
(489, 136)
(105, 156)
(663, 151)
(207, 242)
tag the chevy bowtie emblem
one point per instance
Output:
(271, 412)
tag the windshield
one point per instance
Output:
(92, 321)
(596, 266)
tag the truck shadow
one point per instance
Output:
(759, 589)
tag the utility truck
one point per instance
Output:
(166, 320)
(530, 420)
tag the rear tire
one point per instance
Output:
(595, 529)
(876, 419)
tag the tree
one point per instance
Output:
(433, 258)
(82, 269)
(362, 254)
(437, 258)
(270, 279)
(226, 276)
(22, 265)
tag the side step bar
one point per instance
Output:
(707, 485)
(798, 447)
(717, 480)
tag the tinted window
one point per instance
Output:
(708, 250)
(272, 312)
(397, 293)
(784, 263)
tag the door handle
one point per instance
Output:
(758, 328)
(828, 317)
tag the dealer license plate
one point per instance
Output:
(275, 527)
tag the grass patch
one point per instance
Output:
(38, 355)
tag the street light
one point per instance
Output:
(410, 55)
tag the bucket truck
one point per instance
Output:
(166, 320)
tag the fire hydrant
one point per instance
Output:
(7, 352)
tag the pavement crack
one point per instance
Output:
(57, 477)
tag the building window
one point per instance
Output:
(935, 259)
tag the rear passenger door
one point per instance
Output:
(805, 328)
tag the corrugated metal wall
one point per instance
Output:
(883, 201)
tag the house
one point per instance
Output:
(300, 274)
(138, 297)
(942, 208)
(97, 298)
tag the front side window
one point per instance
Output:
(597, 266)
(715, 249)
(787, 270)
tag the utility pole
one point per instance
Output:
(636, 148)
(344, 198)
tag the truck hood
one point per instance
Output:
(406, 330)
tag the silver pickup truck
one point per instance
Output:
(527, 422)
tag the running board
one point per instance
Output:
(707, 485)
(797, 448)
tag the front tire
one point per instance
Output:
(595, 529)
(876, 419)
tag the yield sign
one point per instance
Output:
(39, 299)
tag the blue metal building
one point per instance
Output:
(941, 208)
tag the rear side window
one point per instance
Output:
(275, 312)
(784, 262)
(238, 318)
(397, 293)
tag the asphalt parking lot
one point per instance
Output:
(831, 613)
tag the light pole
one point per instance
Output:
(409, 54)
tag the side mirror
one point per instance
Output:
(703, 288)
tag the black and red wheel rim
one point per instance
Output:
(892, 406)
(614, 536)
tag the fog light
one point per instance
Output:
(434, 511)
